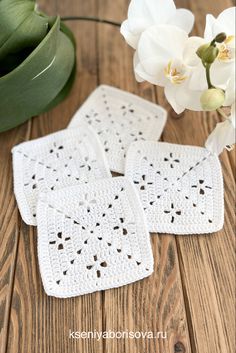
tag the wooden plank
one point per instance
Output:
(18, 229)
(9, 222)
(207, 262)
(39, 323)
(156, 303)
(191, 292)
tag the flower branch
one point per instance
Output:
(90, 19)
(196, 73)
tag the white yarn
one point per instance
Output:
(92, 237)
(120, 118)
(181, 187)
(93, 229)
(61, 159)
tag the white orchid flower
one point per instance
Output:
(163, 58)
(224, 134)
(230, 94)
(225, 22)
(145, 13)
(223, 68)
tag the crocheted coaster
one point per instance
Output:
(181, 187)
(65, 158)
(92, 237)
(120, 118)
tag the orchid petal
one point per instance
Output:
(136, 64)
(189, 99)
(170, 93)
(198, 80)
(230, 94)
(143, 13)
(208, 33)
(189, 55)
(130, 38)
(221, 72)
(222, 136)
(226, 21)
(183, 19)
(156, 77)
(159, 45)
(162, 41)
(233, 116)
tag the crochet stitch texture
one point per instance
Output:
(61, 159)
(120, 118)
(180, 187)
(92, 237)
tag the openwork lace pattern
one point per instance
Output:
(120, 118)
(61, 159)
(180, 187)
(92, 237)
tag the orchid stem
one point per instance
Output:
(92, 19)
(208, 76)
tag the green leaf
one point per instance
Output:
(12, 14)
(66, 89)
(63, 93)
(44, 76)
(28, 35)
(68, 32)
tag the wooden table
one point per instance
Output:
(191, 293)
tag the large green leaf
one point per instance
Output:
(12, 14)
(66, 89)
(38, 80)
(63, 93)
(37, 62)
(28, 35)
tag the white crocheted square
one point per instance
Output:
(65, 158)
(181, 187)
(120, 118)
(92, 237)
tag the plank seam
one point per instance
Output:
(12, 282)
(185, 300)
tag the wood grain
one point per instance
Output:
(191, 292)
(9, 226)
(159, 297)
(207, 262)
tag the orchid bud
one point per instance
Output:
(210, 54)
(220, 38)
(212, 99)
(202, 49)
